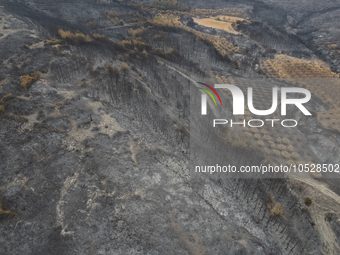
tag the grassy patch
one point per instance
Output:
(136, 32)
(28, 79)
(221, 22)
(76, 38)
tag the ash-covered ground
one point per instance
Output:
(95, 128)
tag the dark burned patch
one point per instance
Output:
(11, 43)
(56, 244)
(23, 107)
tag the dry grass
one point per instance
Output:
(220, 22)
(276, 209)
(99, 37)
(2, 109)
(124, 67)
(112, 16)
(136, 32)
(28, 79)
(74, 38)
(132, 43)
(283, 66)
(53, 41)
(331, 46)
(5, 98)
(295, 155)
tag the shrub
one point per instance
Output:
(58, 49)
(121, 22)
(74, 38)
(316, 175)
(28, 79)
(290, 162)
(124, 68)
(257, 136)
(290, 148)
(285, 154)
(276, 153)
(5, 98)
(133, 44)
(285, 140)
(310, 163)
(281, 147)
(99, 37)
(308, 201)
(53, 41)
(276, 209)
(260, 143)
(267, 138)
(295, 155)
(272, 144)
(136, 32)
(248, 134)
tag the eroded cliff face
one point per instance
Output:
(95, 133)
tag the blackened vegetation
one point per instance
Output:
(287, 228)
(274, 39)
(183, 48)
(142, 81)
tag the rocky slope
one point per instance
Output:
(95, 133)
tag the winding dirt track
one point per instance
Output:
(319, 186)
